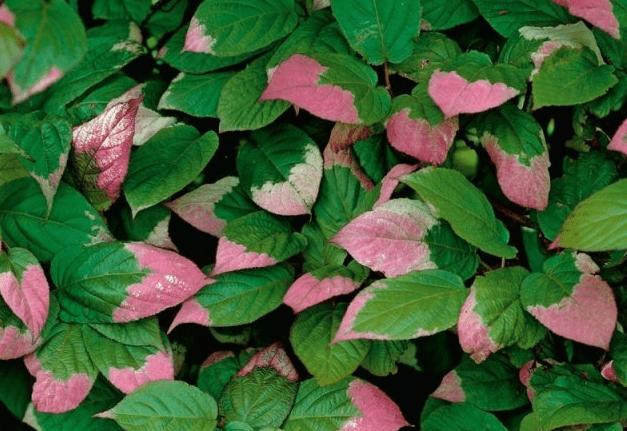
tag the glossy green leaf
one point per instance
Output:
(167, 406)
(571, 76)
(464, 206)
(259, 23)
(451, 253)
(25, 222)
(589, 173)
(311, 336)
(379, 30)
(382, 357)
(430, 51)
(55, 42)
(281, 168)
(195, 95)
(461, 417)
(424, 303)
(597, 223)
(138, 333)
(239, 107)
(166, 163)
(124, 9)
(439, 15)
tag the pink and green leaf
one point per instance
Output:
(311, 337)
(390, 237)
(281, 169)
(256, 240)
(349, 404)
(237, 298)
(597, 12)
(102, 149)
(425, 302)
(16, 340)
(150, 226)
(335, 87)
(571, 301)
(116, 282)
(24, 288)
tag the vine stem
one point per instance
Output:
(386, 72)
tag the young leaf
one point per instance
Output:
(311, 336)
(261, 394)
(166, 163)
(438, 15)
(24, 288)
(259, 23)
(417, 127)
(25, 222)
(597, 222)
(55, 42)
(334, 87)
(102, 149)
(515, 142)
(350, 403)
(470, 83)
(570, 76)
(63, 370)
(240, 106)
(127, 366)
(45, 143)
(424, 303)
(390, 237)
(462, 205)
(571, 301)
(379, 30)
(461, 417)
(165, 405)
(195, 95)
(237, 298)
(492, 316)
(589, 173)
(492, 385)
(281, 168)
(256, 240)
(116, 282)
(211, 206)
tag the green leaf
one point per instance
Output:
(281, 168)
(431, 50)
(379, 30)
(11, 169)
(25, 222)
(461, 417)
(598, 222)
(213, 29)
(149, 225)
(137, 10)
(589, 173)
(464, 206)
(424, 303)
(55, 42)
(45, 142)
(12, 48)
(311, 336)
(165, 164)
(195, 95)
(508, 17)
(438, 15)
(238, 297)
(571, 76)
(382, 357)
(451, 253)
(166, 406)
(239, 107)
(218, 369)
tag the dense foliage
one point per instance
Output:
(313, 214)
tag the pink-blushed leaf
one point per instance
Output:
(197, 39)
(475, 336)
(619, 140)
(231, 256)
(102, 148)
(158, 366)
(319, 285)
(24, 287)
(340, 154)
(191, 312)
(455, 95)
(450, 389)
(416, 137)
(391, 180)
(390, 237)
(16, 342)
(571, 300)
(273, 356)
(344, 135)
(331, 86)
(198, 206)
(171, 280)
(377, 411)
(148, 123)
(609, 373)
(596, 12)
